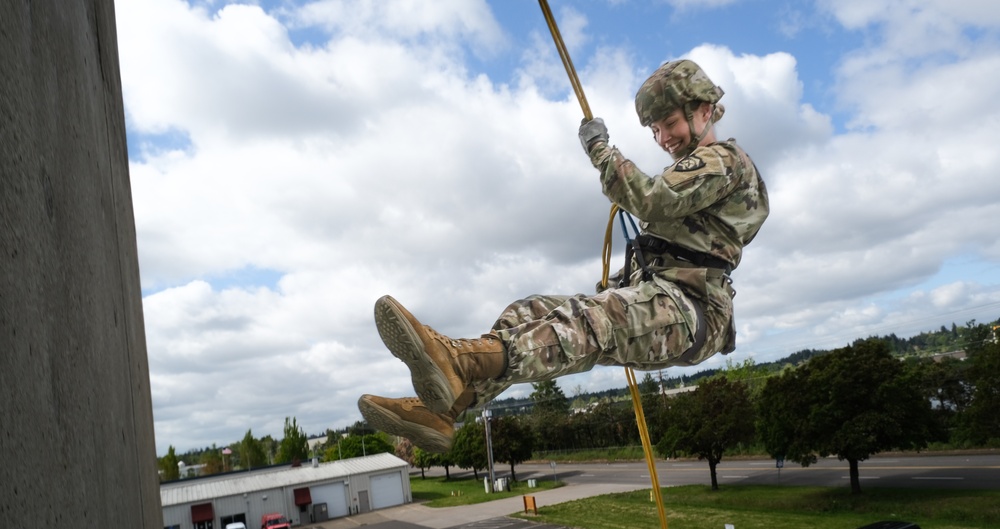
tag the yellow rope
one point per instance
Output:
(640, 417)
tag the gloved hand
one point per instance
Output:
(591, 131)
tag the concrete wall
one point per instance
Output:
(76, 427)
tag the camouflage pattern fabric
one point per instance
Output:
(672, 86)
(712, 201)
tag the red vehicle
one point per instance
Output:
(274, 521)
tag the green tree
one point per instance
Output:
(608, 424)
(512, 441)
(168, 465)
(852, 402)
(444, 461)
(980, 422)
(212, 460)
(355, 445)
(708, 421)
(747, 372)
(469, 447)
(270, 448)
(294, 447)
(549, 415)
(652, 404)
(251, 452)
(945, 383)
(548, 397)
(423, 460)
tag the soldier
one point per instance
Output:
(671, 305)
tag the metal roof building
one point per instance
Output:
(305, 494)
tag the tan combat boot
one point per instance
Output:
(409, 418)
(441, 367)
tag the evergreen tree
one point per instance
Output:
(168, 464)
(294, 447)
(251, 452)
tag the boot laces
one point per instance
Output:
(460, 343)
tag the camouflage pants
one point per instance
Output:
(650, 325)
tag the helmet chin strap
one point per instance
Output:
(695, 138)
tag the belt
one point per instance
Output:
(655, 245)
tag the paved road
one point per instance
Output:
(980, 471)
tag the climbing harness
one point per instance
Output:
(640, 417)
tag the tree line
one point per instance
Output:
(851, 403)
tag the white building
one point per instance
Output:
(306, 494)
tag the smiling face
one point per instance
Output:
(673, 134)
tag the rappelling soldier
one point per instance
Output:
(671, 305)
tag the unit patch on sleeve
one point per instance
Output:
(691, 163)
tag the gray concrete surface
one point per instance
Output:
(481, 515)
(76, 425)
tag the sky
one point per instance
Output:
(292, 161)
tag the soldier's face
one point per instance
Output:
(672, 133)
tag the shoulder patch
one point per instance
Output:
(690, 163)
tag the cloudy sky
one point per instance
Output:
(292, 161)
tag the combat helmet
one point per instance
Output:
(671, 87)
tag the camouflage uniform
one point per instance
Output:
(676, 308)
(712, 201)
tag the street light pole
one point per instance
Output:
(489, 448)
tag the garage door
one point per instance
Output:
(387, 490)
(334, 495)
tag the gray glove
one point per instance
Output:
(591, 131)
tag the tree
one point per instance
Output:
(469, 447)
(443, 460)
(945, 384)
(212, 460)
(747, 372)
(549, 415)
(251, 452)
(706, 422)
(609, 424)
(355, 445)
(547, 397)
(168, 464)
(852, 402)
(512, 442)
(422, 459)
(294, 447)
(980, 422)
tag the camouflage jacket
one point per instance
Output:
(712, 201)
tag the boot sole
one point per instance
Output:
(405, 343)
(385, 420)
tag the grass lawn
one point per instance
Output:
(438, 492)
(776, 507)
(745, 507)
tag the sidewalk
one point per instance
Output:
(415, 516)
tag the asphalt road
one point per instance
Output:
(968, 471)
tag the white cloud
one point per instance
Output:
(381, 156)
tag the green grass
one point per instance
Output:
(438, 492)
(746, 507)
(775, 507)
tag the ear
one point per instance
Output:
(705, 109)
